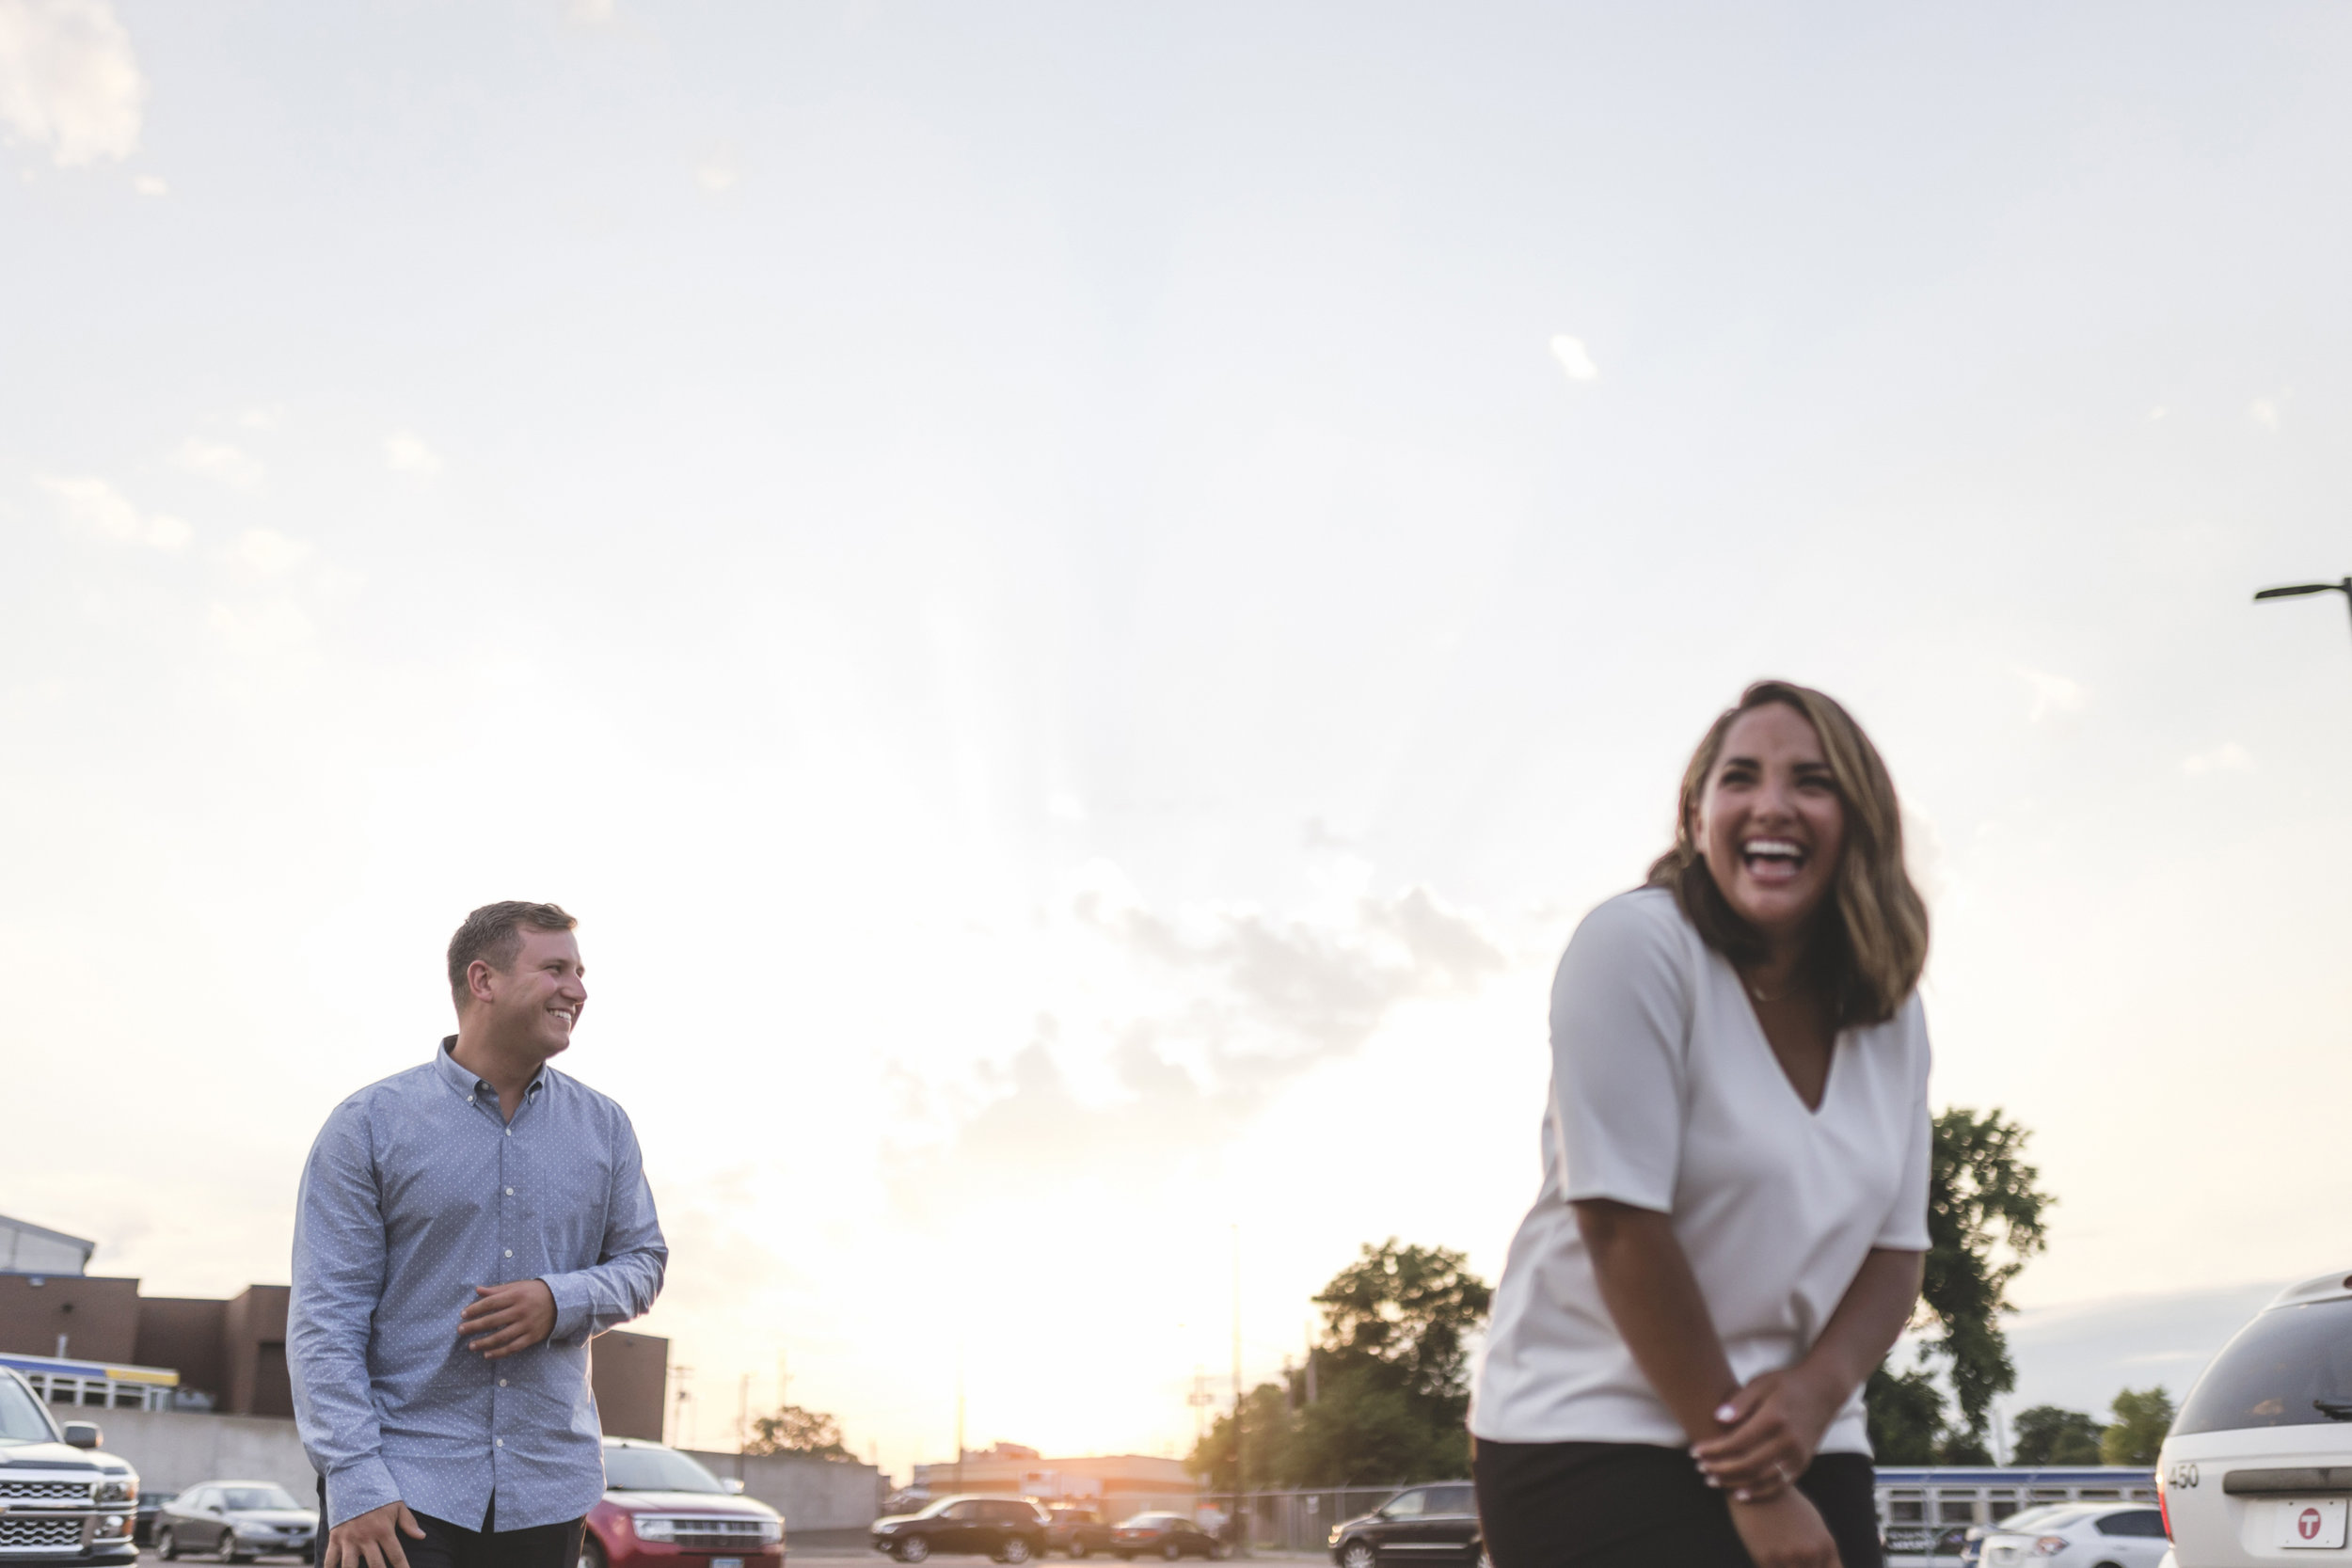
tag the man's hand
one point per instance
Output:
(372, 1540)
(1774, 1423)
(508, 1318)
(1784, 1530)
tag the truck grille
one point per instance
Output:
(720, 1532)
(30, 1532)
(70, 1492)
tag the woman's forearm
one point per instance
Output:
(1869, 1319)
(1653, 1298)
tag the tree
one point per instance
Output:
(1985, 1210)
(2049, 1436)
(793, 1430)
(1906, 1414)
(1392, 1375)
(2143, 1416)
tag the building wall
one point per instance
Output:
(629, 1375)
(253, 1346)
(187, 1334)
(99, 1318)
(817, 1498)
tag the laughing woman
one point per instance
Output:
(1734, 1207)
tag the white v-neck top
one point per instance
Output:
(1666, 1095)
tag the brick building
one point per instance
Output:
(231, 1356)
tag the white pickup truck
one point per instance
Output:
(61, 1500)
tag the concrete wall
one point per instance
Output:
(814, 1496)
(173, 1449)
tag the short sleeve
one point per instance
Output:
(1621, 1009)
(1905, 1227)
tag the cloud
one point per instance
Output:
(265, 417)
(216, 460)
(2265, 411)
(405, 454)
(261, 629)
(266, 550)
(591, 13)
(1242, 1006)
(2052, 694)
(1573, 359)
(69, 81)
(2228, 757)
(102, 509)
(149, 184)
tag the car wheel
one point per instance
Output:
(166, 1548)
(1219, 1551)
(1017, 1549)
(1077, 1550)
(591, 1551)
(914, 1548)
(227, 1550)
(1358, 1554)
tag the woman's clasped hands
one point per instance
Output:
(1770, 1428)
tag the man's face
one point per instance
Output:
(539, 1000)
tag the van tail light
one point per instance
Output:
(2164, 1507)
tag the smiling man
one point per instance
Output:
(464, 1228)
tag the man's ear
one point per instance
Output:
(479, 975)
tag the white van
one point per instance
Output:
(2258, 1467)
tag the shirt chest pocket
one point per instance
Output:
(563, 1195)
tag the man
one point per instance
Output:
(464, 1228)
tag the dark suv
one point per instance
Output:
(1077, 1531)
(1011, 1529)
(1422, 1524)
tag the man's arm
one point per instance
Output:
(338, 1280)
(627, 1274)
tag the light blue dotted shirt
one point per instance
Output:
(416, 1191)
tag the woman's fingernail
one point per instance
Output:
(1724, 1413)
(1741, 1495)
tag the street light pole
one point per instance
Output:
(2302, 588)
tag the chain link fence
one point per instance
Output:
(1301, 1521)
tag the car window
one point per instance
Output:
(237, 1498)
(655, 1470)
(22, 1419)
(2270, 1374)
(1011, 1513)
(2138, 1521)
(1451, 1500)
(1408, 1505)
(964, 1510)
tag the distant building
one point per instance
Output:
(1116, 1484)
(84, 1339)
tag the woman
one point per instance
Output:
(1734, 1213)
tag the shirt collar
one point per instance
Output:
(468, 1086)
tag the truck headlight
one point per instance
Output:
(121, 1490)
(657, 1529)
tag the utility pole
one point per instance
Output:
(2301, 589)
(1241, 1525)
(1311, 1363)
(959, 1414)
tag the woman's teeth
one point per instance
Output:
(1777, 853)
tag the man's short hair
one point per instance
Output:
(494, 934)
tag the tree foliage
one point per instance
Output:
(1391, 1381)
(2048, 1436)
(793, 1430)
(1985, 1221)
(2143, 1416)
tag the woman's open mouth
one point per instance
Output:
(1772, 859)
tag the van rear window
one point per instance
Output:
(2270, 1374)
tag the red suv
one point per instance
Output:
(662, 1510)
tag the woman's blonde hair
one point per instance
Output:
(1870, 940)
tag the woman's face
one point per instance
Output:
(1768, 820)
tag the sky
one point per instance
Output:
(1079, 599)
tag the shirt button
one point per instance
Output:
(502, 1382)
(498, 1442)
(510, 1252)
(510, 1192)
(510, 1132)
